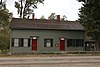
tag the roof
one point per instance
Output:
(89, 40)
(45, 24)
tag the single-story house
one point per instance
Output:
(40, 36)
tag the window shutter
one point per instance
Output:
(51, 42)
(12, 42)
(44, 42)
(28, 42)
(20, 42)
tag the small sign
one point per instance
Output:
(56, 45)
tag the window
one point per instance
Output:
(79, 42)
(25, 42)
(48, 42)
(74, 42)
(71, 42)
(21, 42)
(16, 41)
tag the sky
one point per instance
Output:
(69, 8)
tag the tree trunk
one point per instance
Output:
(1, 1)
(21, 9)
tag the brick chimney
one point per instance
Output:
(58, 17)
(33, 16)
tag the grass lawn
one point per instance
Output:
(52, 54)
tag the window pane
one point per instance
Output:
(25, 42)
(71, 42)
(48, 42)
(16, 42)
(79, 42)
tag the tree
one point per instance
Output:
(25, 7)
(43, 17)
(83, 1)
(90, 19)
(64, 18)
(4, 39)
(52, 16)
(5, 18)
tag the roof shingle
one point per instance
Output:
(45, 24)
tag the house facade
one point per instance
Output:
(45, 36)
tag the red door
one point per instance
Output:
(34, 44)
(62, 45)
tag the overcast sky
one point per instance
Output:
(70, 8)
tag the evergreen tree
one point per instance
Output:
(90, 19)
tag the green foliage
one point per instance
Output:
(25, 7)
(4, 40)
(64, 18)
(53, 16)
(90, 18)
(5, 18)
(42, 17)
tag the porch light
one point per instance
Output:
(34, 37)
(62, 38)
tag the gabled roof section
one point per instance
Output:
(45, 24)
